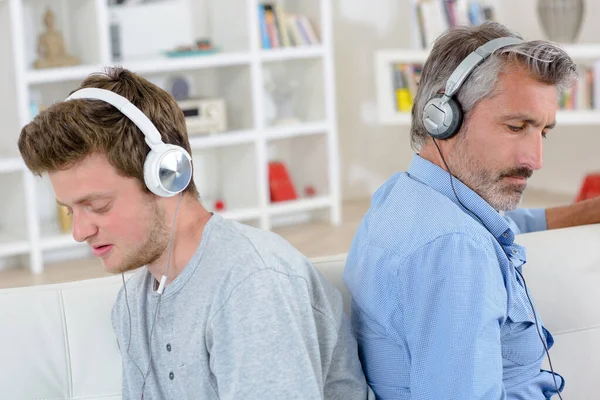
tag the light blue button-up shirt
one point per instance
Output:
(437, 306)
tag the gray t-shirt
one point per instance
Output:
(248, 318)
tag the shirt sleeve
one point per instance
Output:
(453, 304)
(263, 342)
(525, 220)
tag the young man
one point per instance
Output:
(219, 310)
(440, 308)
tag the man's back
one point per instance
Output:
(249, 317)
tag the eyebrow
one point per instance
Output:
(526, 118)
(89, 197)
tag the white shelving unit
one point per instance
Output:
(387, 114)
(231, 165)
(384, 58)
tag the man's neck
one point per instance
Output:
(191, 220)
(430, 153)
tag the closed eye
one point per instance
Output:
(515, 128)
(98, 210)
(102, 209)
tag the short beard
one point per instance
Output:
(155, 244)
(487, 182)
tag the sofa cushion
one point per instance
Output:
(563, 276)
(57, 341)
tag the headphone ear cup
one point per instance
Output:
(442, 121)
(169, 171)
(457, 118)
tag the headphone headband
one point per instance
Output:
(150, 132)
(167, 168)
(476, 57)
(442, 115)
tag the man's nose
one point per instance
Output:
(83, 228)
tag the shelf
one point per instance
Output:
(394, 118)
(157, 65)
(384, 83)
(292, 53)
(59, 242)
(165, 64)
(401, 56)
(14, 164)
(242, 214)
(582, 51)
(579, 51)
(223, 139)
(582, 117)
(292, 130)
(13, 248)
(228, 174)
(287, 207)
(52, 238)
(76, 73)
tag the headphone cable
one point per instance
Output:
(145, 376)
(515, 268)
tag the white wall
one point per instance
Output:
(371, 153)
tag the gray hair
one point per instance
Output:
(545, 61)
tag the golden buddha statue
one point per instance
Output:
(51, 47)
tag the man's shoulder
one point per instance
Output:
(239, 252)
(247, 249)
(406, 214)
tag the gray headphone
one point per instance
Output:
(167, 168)
(442, 115)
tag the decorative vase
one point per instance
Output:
(561, 19)
(283, 93)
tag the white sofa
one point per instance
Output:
(56, 341)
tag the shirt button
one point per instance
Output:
(168, 346)
(505, 235)
(514, 251)
(171, 376)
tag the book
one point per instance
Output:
(280, 183)
(264, 34)
(401, 88)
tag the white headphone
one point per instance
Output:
(167, 168)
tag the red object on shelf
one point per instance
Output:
(590, 187)
(280, 184)
(219, 205)
(310, 191)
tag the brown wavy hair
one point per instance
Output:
(67, 132)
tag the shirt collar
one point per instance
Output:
(439, 179)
